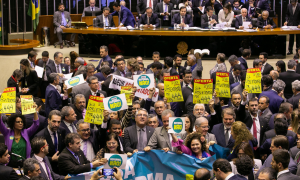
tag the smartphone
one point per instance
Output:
(108, 172)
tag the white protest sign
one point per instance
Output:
(143, 83)
(144, 93)
(115, 103)
(118, 81)
(177, 124)
(74, 81)
(39, 71)
(115, 160)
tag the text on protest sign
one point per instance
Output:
(8, 100)
(203, 90)
(222, 84)
(127, 90)
(253, 80)
(177, 125)
(74, 81)
(118, 81)
(115, 160)
(27, 104)
(172, 89)
(94, 110)
(115, 103)
(143, 83)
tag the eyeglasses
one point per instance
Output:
(85, 130)
(45, 146)
(204, 127)
(111, 143)
(120, 64)
(145, 115)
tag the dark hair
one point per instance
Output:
(168, 61)
(155, 53)
(246, 52)
(52, 77)
(267, 80)
(70, 138)
(264, 54)
(269, 170)
(244, 165)
(119, 59)
(191, 121)
(285, 107)
(182, 7)
(209, 8)
(177, 56)
(61, 4)
(3, 149)
(243, 75)
(281, 126)
(29, 165)
(228, 6)
(256, 62)
(149, 8)
(17, 73)
(223, 165)
(12, 119)
(45, 54)
(156, 65)
(193, 136)
(237, 67)
(187, 72)
(282, 141)
(236, 1)
(56, 54)
(282, 156)
(245, 146)
(252, 100)
(90, 79)
(37, 143)
(54, 112)
(141, 63)
(25, 62)
(37, 178)
(115, 4)
(202, 174)
(267, 99)
(109, 137)
(114, 121)
(281, 64)
(226, 100)
(32, 54)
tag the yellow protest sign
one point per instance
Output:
(203, 90)
(8, 100)
(253, 80)
(127, 90)
(222, 84)
(94, 110)
(27, 104)
(173, 89)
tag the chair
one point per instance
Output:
(237, 12)
(233, 22)
(95, 22)
(65, 42)
(177, 11)
(254, 22)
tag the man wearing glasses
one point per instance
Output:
(202, 127)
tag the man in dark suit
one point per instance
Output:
(198, 10)
(182, 19)
(246, 54)
(43, 63)
(271, 133)
(92, 7)
(94, 84)
(288, 77)
(177, 65)
(136, 137)
(57, 66)
(6, 172)
(125, 16)
(285, 111)
(31, 169)
(233, 60)
(68, 118)
(265, 21)
(209, 20)
(292, 19)
(266, 67)
(234, 76)
(294, 100)
(149, 20)
(242, 18)
(62, 20)
(163, 10)
(263, 106)
(105, 57)
(54, 136)
(249, 5)
(53, 98)
(142, 6)
(105, 19)
(263, 5)
(79, 107)
(72, 159)
(40, 151)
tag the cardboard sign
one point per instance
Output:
(94, 110)
(118, 81)
(115, 160)
(127, 90)
(222, 84)
(74, 81)
(177, 124)
(8, 100)
(144, 93)
(172, 89)
(143, 83)
(27, 104)
(203, 90)
(253, 80)
(115, 103)
(39, 71)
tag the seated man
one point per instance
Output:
(209, 18)
(125, 16)
(149, 20)
(182, 19)
(92, 7)
(265, 21)
(62, 20)
(243, 18)
(105, 19)
(163, 9)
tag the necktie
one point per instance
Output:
(297, 158)
(44, 73)
(92, 9)
(140, 142)
(73, 128)
(85, 147)
(55, 141)
(166, 10)
(148, 20)
(227, 136)
(48, 170)
(254, 131)
(123, 73)
(57, 69)
(182, 20)
(76, 156)
(177, 70)
(106, 22)
(186, 85)
(260, 113)
(32, 65)
(265, 23)
(150, 3)
(244, 19)
(63, 19)
(209, 19)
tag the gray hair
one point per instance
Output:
(200, 120)
(193, 57)
(52, 77)
(79, 96)
(232, 58)
(265, 12)
(81, 121)
(80, 60)
(278, 85)
(199, 105)
(285, 107)
(141, 109)
(291, 64)
(222, 68)
(105, 69)
(105, 9)
(54, 112)
(17, 73)
(296, 85)
(104, 47)
(56, 54)
(269, 170)
(28, 165)
(89, 66)
(90, 79)
(150, 116)
(65, 111)
(256, 62)
(166, 112)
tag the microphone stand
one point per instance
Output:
(20, 29)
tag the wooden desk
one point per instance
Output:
(23, 46)
(88, 20)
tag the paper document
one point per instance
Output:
(246, 25)
(67, 76)
(39, 71)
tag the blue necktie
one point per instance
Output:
(75, 155)
(106, 22)
(55, 142)
(63, 19)
(166, 10)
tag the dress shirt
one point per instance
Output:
(164, 8)
(94, 93)
(90, 154)
(31, 63)
(121, 146)
(294, 7)
(92, 8)
(83, 113)
(282, 172)
(184, 84)
(229, 132)
(104, 22)
(229, 176)
(144, 132)
(52, 137)
(203, 9)
(236, 79)
(69, 126)
(45, 76)
(209, 19)
(291, 70)
(42, 163)
(257, 128)
(263, 67)
(193, 67)
(147, 5)
(75, 155)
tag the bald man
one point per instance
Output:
(243, 18)
(92, 7)
(202, 174)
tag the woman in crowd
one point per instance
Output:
(187, 4)
(29, 79)
(194, 145)
(280, 66)
(133, 68)
(295, 121)
(226, 15)
(111, 146)
(189, 124)
(17, 138)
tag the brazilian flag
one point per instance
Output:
(34, 12)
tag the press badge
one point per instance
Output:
(11, 137)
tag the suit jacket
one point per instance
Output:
(271, 133)
(24, 178)
(267, 69)
(153, 20)
(53, 100)
(293, 151)
(238, 177)
(266, 115)
(142, 5)
(77, 112)
(177, 19)
(243, 61)
(57, 19)
(81, 89)
(7, 172)
(292, 18)
(275, 100)
(32, 82)
(204, 20)
(196, 4)
(44, 174)
(265, 147)
(181, 70)
(125, 16)
(68, 164)
(131, 140)
(288, 77)
(65, 127)
(100, 23)
(88, 93)
(263, 5)
(160, 9)
(100, 76)
(186, 91)
(260, 22)
(231, 79)
(250, 11)
(41, 64)
(294, 100)
(12, 83)
(218, 130)
(160, 139)
(51, 68)
(89, 9)
(288, 176)
(239, 22)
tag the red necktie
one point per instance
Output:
(150, 4)
(260, 113)
(254, 131)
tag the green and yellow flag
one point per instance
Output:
(34, 12)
